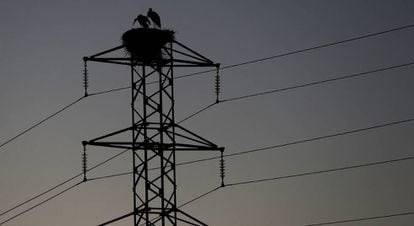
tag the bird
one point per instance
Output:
(154, 17)
(142, 20)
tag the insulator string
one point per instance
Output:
(85, 76)
(84, 161)
(217, 83)
(222, 167)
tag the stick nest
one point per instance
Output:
(145, 44)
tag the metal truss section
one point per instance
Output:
(155, 137)
(183, 57)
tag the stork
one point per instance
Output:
(142, 20)
(154, 17)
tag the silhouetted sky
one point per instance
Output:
(41, 48)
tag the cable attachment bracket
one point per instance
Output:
(85, 76)
(217, 83)
(222, 167)
(84, 161)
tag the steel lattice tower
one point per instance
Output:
(155, 136)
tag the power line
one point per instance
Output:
(359, 74)
(322, 171)
(39, 195)
(41, 203)
(309, 174)
(188, 202)
(280, 55)
(229, 155)
(41, 122)
(226, 67)
(304, 50)
(355, 75)
(347, 132)
(128, 173)
(235, 154)
(320, 82)
(110, 176)
(237, 65)
(200, 196)
(287, 144)
(323, 137)
(106, 161)
(80, 174)
(54, 188)
(109, 91)
(241, 64)
(197, 112)
(281, 90)
(363, 219)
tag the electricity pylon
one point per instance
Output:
(155, 136)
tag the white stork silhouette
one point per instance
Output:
(142, 20)
(154, 17)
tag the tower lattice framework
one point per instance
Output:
(155, 136)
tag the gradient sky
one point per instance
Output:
(41, 48)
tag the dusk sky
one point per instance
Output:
(41, 48)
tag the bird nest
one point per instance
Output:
(145, 44)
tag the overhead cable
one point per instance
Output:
(278, 146)
(41, 122)
(363, 219)
(54, 188)
(321, 171)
